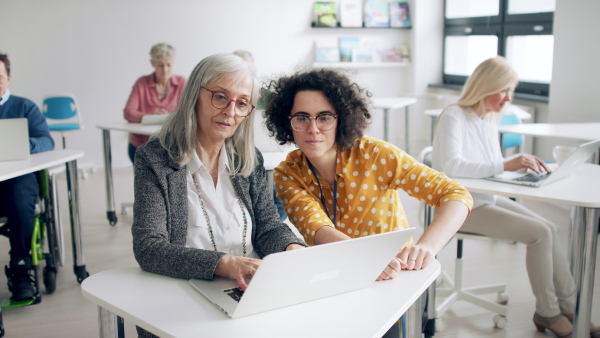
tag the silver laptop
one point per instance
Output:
(152, 119)
(568, 167)
(298, 276)
(14, 139)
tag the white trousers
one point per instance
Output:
(551, 280)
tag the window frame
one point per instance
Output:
(502, 25)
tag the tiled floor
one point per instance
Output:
(66, 313)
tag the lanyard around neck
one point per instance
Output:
(323, 197)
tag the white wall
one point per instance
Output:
(97, 49)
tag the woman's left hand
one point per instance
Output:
(416, 257)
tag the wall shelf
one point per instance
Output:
(361, 65)
(314, 25)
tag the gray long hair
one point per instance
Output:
(179, 133)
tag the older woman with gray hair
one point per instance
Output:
(202, 206)
(157, 93)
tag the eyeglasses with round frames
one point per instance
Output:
(301, 122)
(221, 100)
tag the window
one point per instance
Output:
(520, 30)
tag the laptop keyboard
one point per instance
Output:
(532, 177)
(235, 293)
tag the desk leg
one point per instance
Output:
(110, 195)
(433, 120)
(110, 324)
(413, 320)
(406, 131)
(585, 236)
(429, 330)
(386, 123)
(74, 211)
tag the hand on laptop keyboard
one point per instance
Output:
(526, 161)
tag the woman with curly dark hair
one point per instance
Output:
(341, 184)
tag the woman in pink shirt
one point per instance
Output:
(157, 93)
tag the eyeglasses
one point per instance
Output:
(221, 100)
(301, 122)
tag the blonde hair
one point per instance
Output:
(490, 77)
(178, 134)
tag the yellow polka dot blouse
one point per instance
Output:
(367, 178)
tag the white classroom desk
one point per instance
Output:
(49, 159)
(135, 128)
(573, 131)
(171, 307)
(271, 159)
(580, 191)
(387, 103)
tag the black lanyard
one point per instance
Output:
(323, 197)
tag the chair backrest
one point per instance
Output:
(511, 140)
(62, 107)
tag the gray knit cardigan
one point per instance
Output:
(161, 217)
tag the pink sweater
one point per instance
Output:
(144, 100)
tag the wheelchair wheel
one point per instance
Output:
(50, 279)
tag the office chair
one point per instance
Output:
(453, 291)
(511, 140)
(62, 114)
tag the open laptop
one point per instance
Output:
(152, 119)
(14, 139)
(298, 276)
(568, 167)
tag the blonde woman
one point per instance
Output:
(466, 145)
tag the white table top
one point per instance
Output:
(393, 102)
(580, 189)
(575, 131)
(36, 162)
(171, 307)
(135, 128)
(510, 109)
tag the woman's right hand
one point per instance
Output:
(526, 161)
(238, 268)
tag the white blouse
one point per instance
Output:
(222, 206)
(465, 145)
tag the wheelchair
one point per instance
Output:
(46, 235)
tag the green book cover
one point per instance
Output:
(326, 14)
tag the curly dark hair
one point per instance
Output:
(349, 100)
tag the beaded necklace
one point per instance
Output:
(210, 231)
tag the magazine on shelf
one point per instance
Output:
(399, 15)
(377, 13)
(327, 50)
(326, 14)
(347, 45)
(351, 13)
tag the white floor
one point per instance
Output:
(66, 313)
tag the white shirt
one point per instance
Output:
(5, 96)
(222, 206)
(465, 145)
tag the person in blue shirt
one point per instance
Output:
(18, 195)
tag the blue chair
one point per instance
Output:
(62, 108)
(62, 114)
(511, 140)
